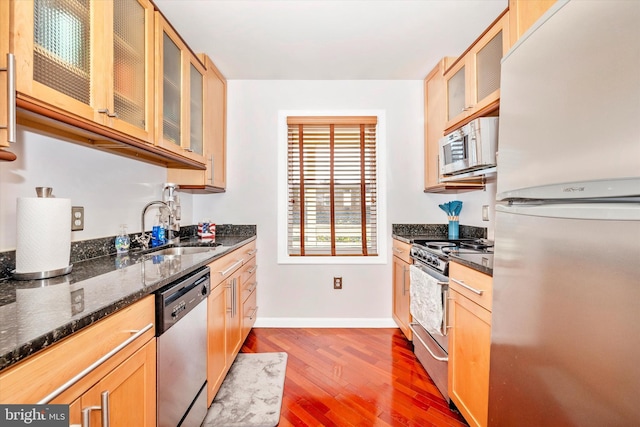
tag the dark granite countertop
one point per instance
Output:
(480, 261)
(35, 314)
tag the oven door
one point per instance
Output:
(432, 349)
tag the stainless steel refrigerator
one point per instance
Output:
(565, 344)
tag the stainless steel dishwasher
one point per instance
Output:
(181, 311)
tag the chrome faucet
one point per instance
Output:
(144, 238)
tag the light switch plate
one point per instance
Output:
(485, 212)
(77, 218)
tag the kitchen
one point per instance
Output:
(289, 297)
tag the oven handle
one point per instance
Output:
(416, 335)
(427, 271)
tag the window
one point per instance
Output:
(332, 186)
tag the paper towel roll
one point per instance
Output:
(43, 234)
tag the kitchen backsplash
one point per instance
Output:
(87, 249)
(437, 230)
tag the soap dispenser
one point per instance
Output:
(122, 240)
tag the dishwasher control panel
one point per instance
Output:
(174, 301)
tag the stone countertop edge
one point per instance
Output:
(26, 349)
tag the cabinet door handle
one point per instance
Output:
(94, 365)
(210, 179)
(252, 269)
(467, 287)
(253, 313)
(11, 98)
(86, 415)
(106, 111)
(404, 280)
(105, 408)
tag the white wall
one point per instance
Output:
(304, 294)
(113, 189)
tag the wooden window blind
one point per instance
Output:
(332, 186)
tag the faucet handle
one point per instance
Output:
(143, 239)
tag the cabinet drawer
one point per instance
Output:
(476, 286)
(248, 280)
(224, 267)
(248, 251)
(249, 312)
(401, 250)
(35, 378)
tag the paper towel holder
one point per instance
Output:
(39, 275)
(42, 192)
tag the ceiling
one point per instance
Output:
(329, 39)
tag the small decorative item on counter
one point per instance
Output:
(452, 209)
(122, 240)
(207, 230)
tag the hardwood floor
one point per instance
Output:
(352, 377)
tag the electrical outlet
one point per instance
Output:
(337, 283)
(77, 218)
(485, 212)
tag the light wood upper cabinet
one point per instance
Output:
(469, 342)
(4, 50)
(213, 179)
(93, 60)
(473, 81)
(180, 94)
(523, 14)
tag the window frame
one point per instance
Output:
(283, 199)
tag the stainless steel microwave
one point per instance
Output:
(471, 147)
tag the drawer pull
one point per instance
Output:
(230, 269)
(467, 287)
(253, 251)
(93, 366)
(398, 251)
(252, 269)
(255, 310)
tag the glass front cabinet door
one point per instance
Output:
(90, 59)
(180, 87)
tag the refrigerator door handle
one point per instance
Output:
(587, 211)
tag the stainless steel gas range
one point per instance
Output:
(429, 292)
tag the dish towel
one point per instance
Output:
(426, 300)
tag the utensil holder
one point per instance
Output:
(454, 227)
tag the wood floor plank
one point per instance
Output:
(352, 377)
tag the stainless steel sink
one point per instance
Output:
(182, 250)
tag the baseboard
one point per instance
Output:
(322, 322)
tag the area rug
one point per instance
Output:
(251, 393)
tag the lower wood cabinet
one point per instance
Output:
(226, 327)
(128, 393)
(469, 342)
(401, 276)
(122, 386)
